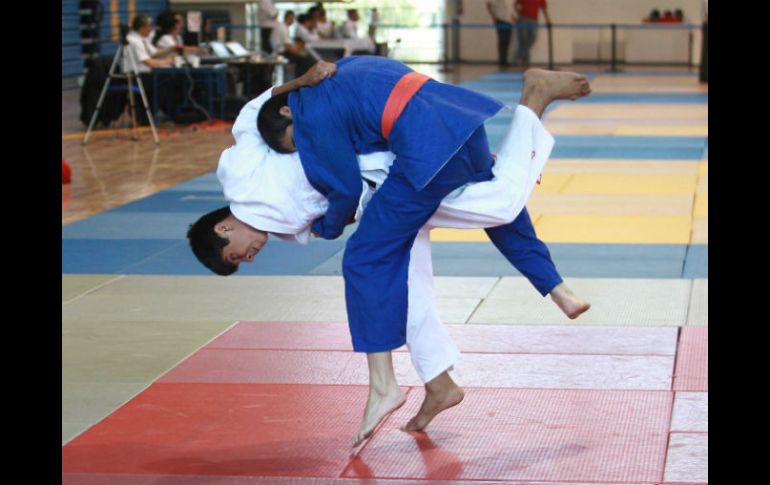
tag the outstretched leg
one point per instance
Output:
(571, 304)
(542, 87)
(517, 241)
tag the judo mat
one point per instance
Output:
(172, 375)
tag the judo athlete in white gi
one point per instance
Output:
(255, 180)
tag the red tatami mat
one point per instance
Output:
(536, 339)
(285, 336)
(264, 366)
(230, 430)
(245, 366)
(528, 434)
(692, 371)
(113, 479)
(224, 429)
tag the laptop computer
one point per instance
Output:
(219, 49)
(237, 49)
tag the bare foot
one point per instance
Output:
(541, 87)
(572, 305)
(440, 394)
(378, 406)
(557, 84)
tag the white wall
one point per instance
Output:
(633, 46)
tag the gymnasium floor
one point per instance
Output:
(172, 376)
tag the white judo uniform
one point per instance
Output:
(270, 192)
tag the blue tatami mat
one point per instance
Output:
(105, 256)
(204, 183)
(198, 203)
(572, 260)
(116, 224)
(696, 265)
(610, 146)
(153, 257)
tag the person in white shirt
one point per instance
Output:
(349, 31)
(140, 50)
(323, 27)
(166, 34)
(267, 18)
(282, 44)
(306, 29)
(503, 16)
(349, 28)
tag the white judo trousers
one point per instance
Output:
(520, 161)
(270, 192)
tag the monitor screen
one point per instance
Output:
(219, 49)
(237, 49)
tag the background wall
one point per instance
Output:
(578, 44)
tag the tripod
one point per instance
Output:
(130, 76)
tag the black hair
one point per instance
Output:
(207, 245)
(272, 124)
(289, 12)
(165, 23)
(140, 21)
(304, 17)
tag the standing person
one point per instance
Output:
(306, 29)
(526, 27)
(349, 28)
(436, 132)
(269, 193)
(324, 28)
(282, 44)
(503, 17)
(267, 17)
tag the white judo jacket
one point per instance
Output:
(269, 191)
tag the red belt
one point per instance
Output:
(402, 92)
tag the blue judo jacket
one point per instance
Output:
(341, 117)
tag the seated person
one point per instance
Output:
(140, 56)
(653, 17)
(169, 33)
(668, 17)
(282, 44)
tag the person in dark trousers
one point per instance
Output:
(504, 18)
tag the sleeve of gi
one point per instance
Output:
(332, 166)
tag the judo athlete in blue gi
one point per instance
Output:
(436, 132)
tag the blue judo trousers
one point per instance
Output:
(440, 144)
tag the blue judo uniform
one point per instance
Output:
(440, 144)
